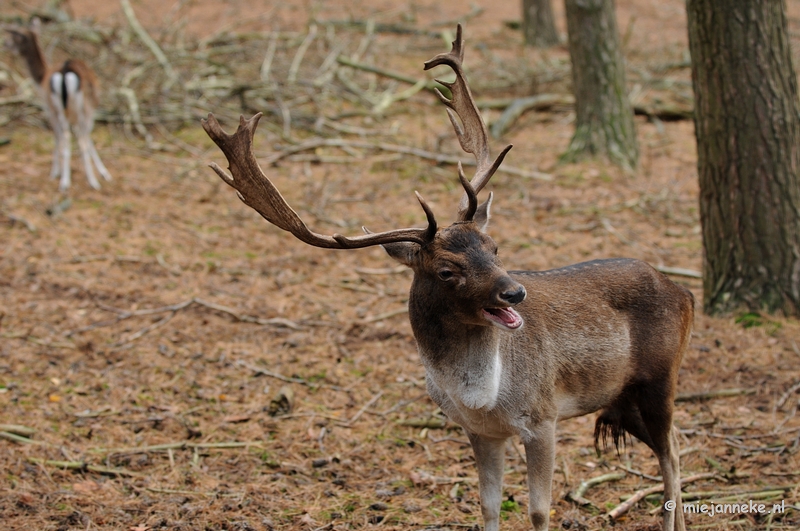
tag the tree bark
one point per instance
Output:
(603, 113)
(747, 129)
(538, 23)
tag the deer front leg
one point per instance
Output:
(55, 125)
(84, 144)
(540, 452)
(86, 125)
(66, 153)
(99, 163)
(489, 455)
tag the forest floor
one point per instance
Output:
(171, 361)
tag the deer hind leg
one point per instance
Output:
(97, 162)
(657, 418)
(60, 123)
(72, 84)
(646, 414)
(86, 125)
(489, 455)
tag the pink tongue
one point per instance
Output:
(510, 317)
(505, 315)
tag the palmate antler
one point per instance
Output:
(470, 130)
(257, 191)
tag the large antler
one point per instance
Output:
(472, 136)
(257, 191)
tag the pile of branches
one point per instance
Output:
(172, 79)
(310, 80)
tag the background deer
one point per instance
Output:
(70, 97)
(512, 352)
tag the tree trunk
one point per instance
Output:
(538, 23)
(747, 128)
(604, 117)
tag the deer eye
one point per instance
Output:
(445, 274)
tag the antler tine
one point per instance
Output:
(470, 195)
(256, 191)
(470, 129)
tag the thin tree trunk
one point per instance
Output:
(603, 113)
(538, 23)
(747, 128)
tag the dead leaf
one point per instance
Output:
(86, 487)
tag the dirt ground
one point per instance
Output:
(183, 365)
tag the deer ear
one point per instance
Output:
(482, 214)
(403, 252)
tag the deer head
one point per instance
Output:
(456, 267)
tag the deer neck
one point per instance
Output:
(464, 361)
(34, 58)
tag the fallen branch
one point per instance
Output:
(362, 410)
(776, 449)
(179, 492)
(785, 396)
(679, 271)
(577, 495)
(346, 61)
(260, 371)
(17, 429)
(625, 506)
(266, 64)
(301, 52)
(727, 495)
(182, 445)
(20, 439)
(137, 28)
(383, 316)
(382, 270)
(382, 27)
(144, 331)
(705, 395)
(273, 321)
(81, 465)
(420, 477)
(522, 105)
(516, 107)
(394, 148)
(174, 308)
(432, 423)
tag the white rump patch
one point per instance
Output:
(56, 84)
(73, 84)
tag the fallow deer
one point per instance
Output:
(509, 353)
(70, 97)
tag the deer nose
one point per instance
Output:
(513, 296)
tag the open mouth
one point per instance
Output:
(504, 317)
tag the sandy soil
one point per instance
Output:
(175, 417)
